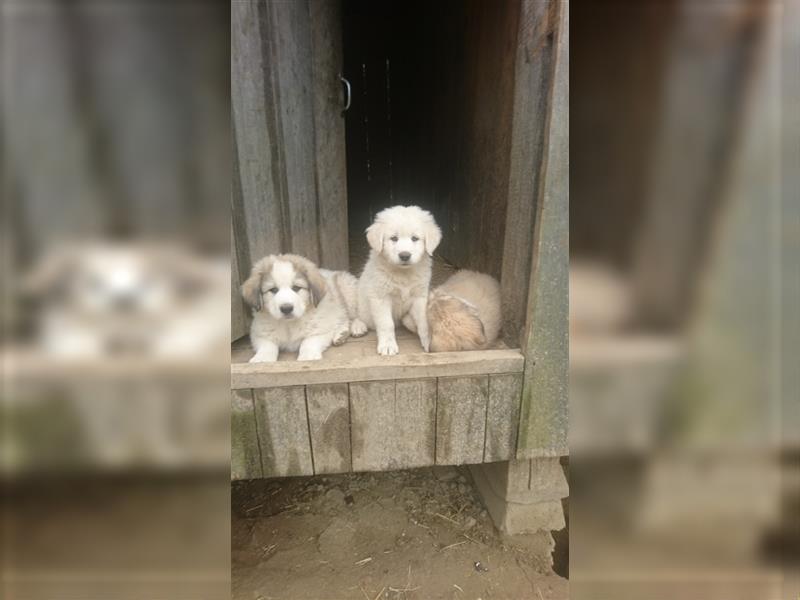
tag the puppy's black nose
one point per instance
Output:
(404, 256)
(286, 308)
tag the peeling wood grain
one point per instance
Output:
(393, 424)
(258, 159)
(329, 134)
(502, 417)
(375, 368)
(239, 321)
(414, 432)
(329, 426)
(245, 453)
(543, 418)
(372, 418)
(282, 425)
(461, 420)
(533, 80)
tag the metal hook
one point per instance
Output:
(348, 93)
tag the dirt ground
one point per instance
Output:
(403, 535)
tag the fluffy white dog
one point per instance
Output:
(298, 307)
(397, 276)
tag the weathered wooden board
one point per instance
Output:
(392, 424)
(259, 180)
(329, 427)
(461, 420)
(282, 425)
(543, 417)
(415, 419)
(329, 133)
(502, 417)
(245, 452)
(533, 77)
(289, 39)
(239, 321)
(289, 177)
(375, 368)
(371, 422)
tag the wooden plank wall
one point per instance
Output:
(374, 426)
(289, 181)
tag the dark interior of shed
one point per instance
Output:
(430, 119)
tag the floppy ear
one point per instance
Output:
(375, 236)
(433, 235)
(316, 283)
(50, 276)
(251, 289)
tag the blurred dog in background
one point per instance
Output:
(105, 299)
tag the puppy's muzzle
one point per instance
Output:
(404, 256)
(286, 309)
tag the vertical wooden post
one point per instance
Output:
(543, 417)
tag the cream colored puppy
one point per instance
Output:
(396, 279)
(297, 307)
(464, 313)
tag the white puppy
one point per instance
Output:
(397, 276)
(297, 307)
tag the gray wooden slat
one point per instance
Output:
(245, 453)
(331, 173)
(415, 422)
(543, 416)
(461, 419)
(239, 323)
(392, 424)
(371, 420)
(532, 91)
(375, 368)
(502, 417)
(329, 425)
(282, 425)
(289, 38)
(257, 151)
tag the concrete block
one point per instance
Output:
(529, 515)
(527, 481)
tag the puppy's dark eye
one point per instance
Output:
(273, 290)
(296, 288)
(393, 238)
(414, 238)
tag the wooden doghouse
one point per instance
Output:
(343, 108)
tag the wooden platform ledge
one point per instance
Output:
(357, 411)
(357, 360)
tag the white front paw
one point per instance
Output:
(388, 348)
(261, 358)
(309, 355)
(340, 337)
(358, 328)
(425, 340)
